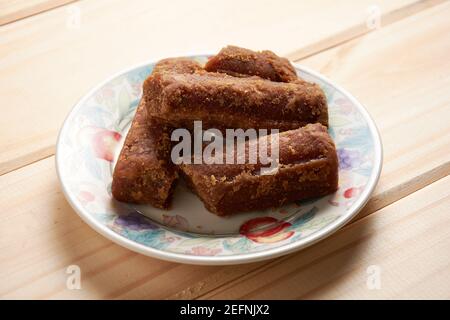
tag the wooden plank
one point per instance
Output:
(364, 27)
(401, 75)
(47, 236)
(12, 10)
(406, 244)
(48, 61)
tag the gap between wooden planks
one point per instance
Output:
(35, 201)
(360, 29)
(46, 66)
(13, 10)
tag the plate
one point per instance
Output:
(92, 136)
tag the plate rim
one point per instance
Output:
(233, 258)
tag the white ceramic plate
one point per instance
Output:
(91, 139)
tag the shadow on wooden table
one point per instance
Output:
(110, 271)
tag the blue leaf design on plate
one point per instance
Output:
(359, 138)
(307, 216)
(150, 238)
(98, 115)
(92, 163)
(242, 245)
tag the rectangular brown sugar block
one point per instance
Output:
(177, 65)
(308, 168)
(144, 172)
(223, 101)
(238, 61)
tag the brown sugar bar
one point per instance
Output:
(308, 168)
(144, 172)
(177, 65)
(223, 101)
(238, 61)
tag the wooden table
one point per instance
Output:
(394, 56)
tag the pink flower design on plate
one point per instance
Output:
(204, 251)
(177, 222)
(85, 197)
(353, 192)
(104, 142)
(345, 105)
(107, 93)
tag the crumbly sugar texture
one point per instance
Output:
(308, 168)
(223, 101)
(144, 172)
(240, 62)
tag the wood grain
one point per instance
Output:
(364, 27)
(12, 10)
(401, 77)
(399, 72)
(48, 61)
(407, 242)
